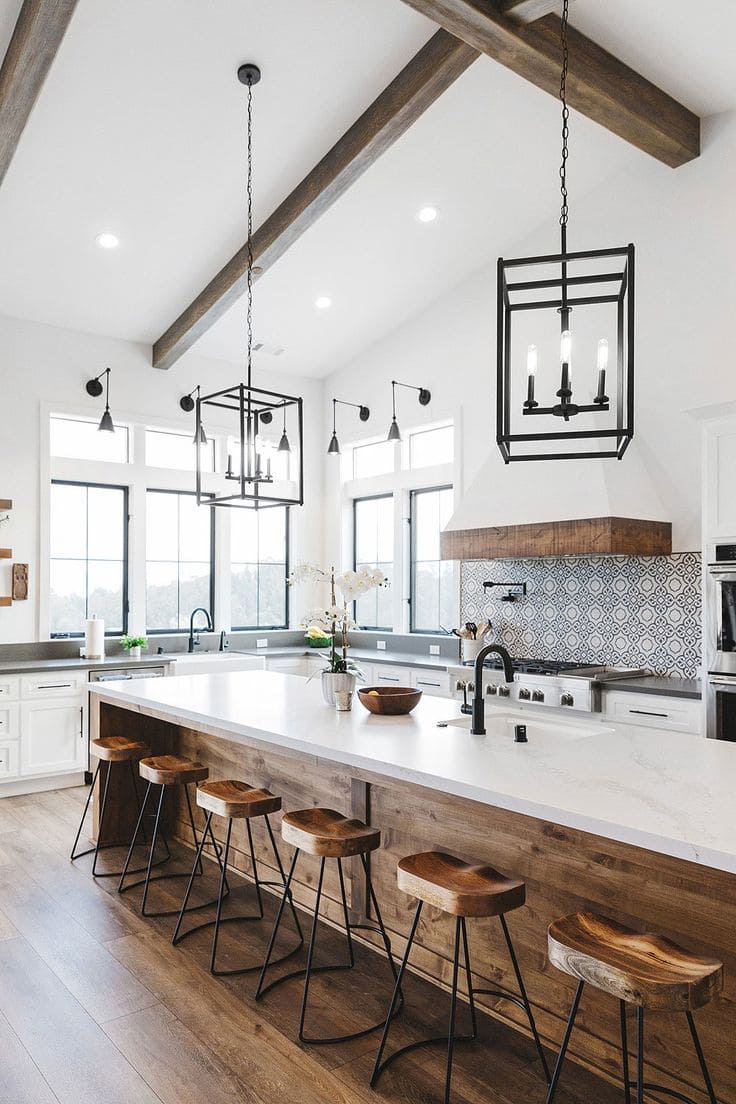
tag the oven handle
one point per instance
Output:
(729, 682)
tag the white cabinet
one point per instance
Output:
(289, 665)
(51, 685)
(9, 724)
(9, 765)
(719, 500)
(53, 736)
(653, 711)
(435, 683)
(9, 688)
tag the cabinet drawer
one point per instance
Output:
(9, 760)
(54, 684)
(9, 688)
(436, 683)
(653, 711)
(385, 675)
(9, 726)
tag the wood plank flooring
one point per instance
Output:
(97, 1006)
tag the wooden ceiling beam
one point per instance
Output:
(39, 29)
(598, 86)
(528, 10)
(437, 65)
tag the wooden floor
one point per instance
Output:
(97, 1007)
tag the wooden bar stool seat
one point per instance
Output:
(110, 750)
(118, 749)
(644, 970)
(172, 770)
(460, 889)
(235, 800)
(457, 887)
(167, 772)
(328, 834)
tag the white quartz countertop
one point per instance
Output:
(670, 792)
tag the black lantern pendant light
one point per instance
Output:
(580, 302)
(251, 409)
(333, 449)
(187, 403)
(94, 388)
(394, 433)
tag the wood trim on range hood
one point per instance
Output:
(605, 536)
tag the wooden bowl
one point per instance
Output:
(389, 701)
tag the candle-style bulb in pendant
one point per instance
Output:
(565, 347)
(531, 360)
(602, 362)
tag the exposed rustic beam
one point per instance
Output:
(599, 85)
(36, 39)
(528, 10)
(440, 62)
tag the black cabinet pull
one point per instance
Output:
(646, 713)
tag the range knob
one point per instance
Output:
(503, 691)
(524, 693)
(491, 688)
(538, 696)
(567, 699)
(460, 685)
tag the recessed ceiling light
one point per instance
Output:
(107, 240)
(428, 214)
(323, 302)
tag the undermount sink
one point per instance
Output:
(502, 725)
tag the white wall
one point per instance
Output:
(683, 223)
(44, 364)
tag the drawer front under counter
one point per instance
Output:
(9, 722)
(653, 711)
(53, 684)
(9, 759)
(9, 688)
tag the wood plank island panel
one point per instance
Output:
(605, 536)
(565, 870)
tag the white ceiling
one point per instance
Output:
(140, 129)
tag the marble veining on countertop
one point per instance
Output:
(669, 792)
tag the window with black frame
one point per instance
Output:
(180, 547)
(259, 567)
(373, 546)
(88, 568)
(432, 599)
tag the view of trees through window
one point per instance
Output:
(373, 529)
(179, 555)
(432, 603)
(258, 567)
(88, 563)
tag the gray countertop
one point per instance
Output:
(653, 684)
(364, 655)
(20, 666)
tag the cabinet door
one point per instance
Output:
(53, 736)
(719, 502)
(8, 760)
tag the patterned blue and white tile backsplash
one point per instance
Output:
(631, 610)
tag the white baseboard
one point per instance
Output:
(40, 785)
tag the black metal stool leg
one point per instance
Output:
(525, 998)
(197, 860)
(282, 872)
(469, 978)
(137, 798)
(565, 1040)
(153, 848)
(379, 1066)
(136, 830)
(312, 943)
(223, 881)
(253, 863)
(701, 1058)
(639, 1055)
(72, 856)
(260, 990)
(625, 1052)
(453, 1010)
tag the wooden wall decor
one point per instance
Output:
(430, 72)
(605, 536)
(6, 553)
(599, 86)
(20, 582)
(6, 504)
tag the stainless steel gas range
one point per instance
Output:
(541, 683)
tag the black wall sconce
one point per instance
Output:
(364, 414)
(187, 403)
(94, 388)
(394, 433)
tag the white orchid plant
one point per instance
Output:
(334, 619)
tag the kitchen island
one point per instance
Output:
(638, 827)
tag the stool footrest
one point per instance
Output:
(650, 1087)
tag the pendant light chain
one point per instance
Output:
(250, 230)
(564, 208)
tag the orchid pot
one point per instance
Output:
(335, 681)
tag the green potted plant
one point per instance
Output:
(133, 644)
(334, 620)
